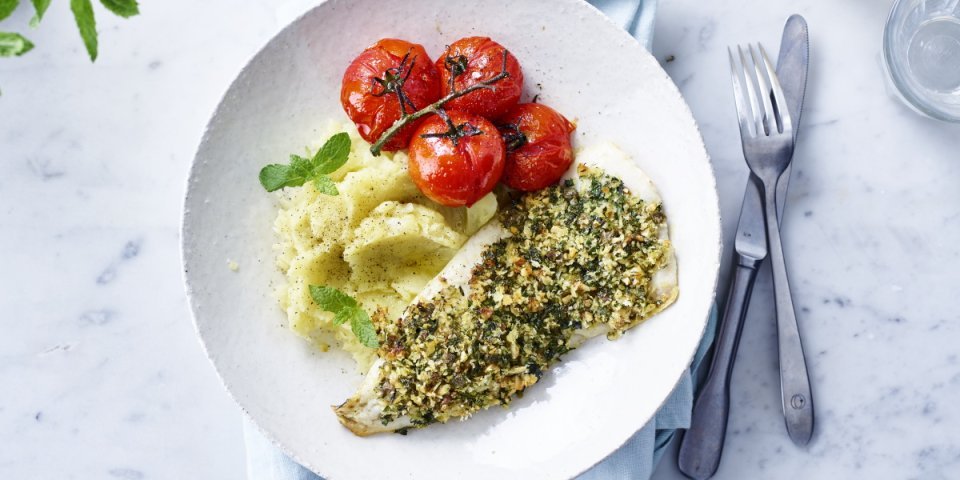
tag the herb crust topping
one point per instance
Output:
(581, 256)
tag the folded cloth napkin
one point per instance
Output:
(637, 458)
(635, 16)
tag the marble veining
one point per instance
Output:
(104, 377)
(870, 245)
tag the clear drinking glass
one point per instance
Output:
(921, 51)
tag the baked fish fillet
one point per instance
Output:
(588, 257)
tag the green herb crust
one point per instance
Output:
(581, 256)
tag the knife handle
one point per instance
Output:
(702, 443)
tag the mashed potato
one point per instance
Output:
(379, 241)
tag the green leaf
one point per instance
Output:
(363, 328)
(13, 44)
(40, 8)
(345, 308)
(331, 299)
(343, 315)
(87, 24)
(333, 154)
(275, 176)
(301, 165)
(7, 7)
(123, 8)
(325, 185)
(330, 157)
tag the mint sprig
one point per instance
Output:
(13, 44)
(122, 8)
(87, 24)
(39, 7)
(345, 309)
(327, 160)
(7, 7)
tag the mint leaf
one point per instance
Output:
(123, 8)
(274, 177)
(330, 157)
(87, 24)
(346, 308)
(40, 7)
(331, 299)
(363, 328)
(343, 315)
(301, 165)
(13, 44)
(333, 154)
(325, 185)
(7, 7)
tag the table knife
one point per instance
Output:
(702, 444)
(795, 387)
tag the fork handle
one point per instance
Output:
(702, 443)
(794, 380)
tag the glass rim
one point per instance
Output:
(895, 74)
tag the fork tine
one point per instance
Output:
(769, 116)
(744, 115)
(783, 112)
(749, 80)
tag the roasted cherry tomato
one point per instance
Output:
(456, 158)
(538, 146)
(473, 60)
(390, 78)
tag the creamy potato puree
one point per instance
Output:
(380, 240)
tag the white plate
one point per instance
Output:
(581, 64)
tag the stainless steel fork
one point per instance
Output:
(766, 133)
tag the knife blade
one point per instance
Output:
(792, 66)
(797, 401)
(702, 444)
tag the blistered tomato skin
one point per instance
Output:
(472, 60)
(369, 93)
(538, 146)
(461, 173)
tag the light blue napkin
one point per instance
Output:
(636, 459)
(635, 16)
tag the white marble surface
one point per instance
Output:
(103, 377)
